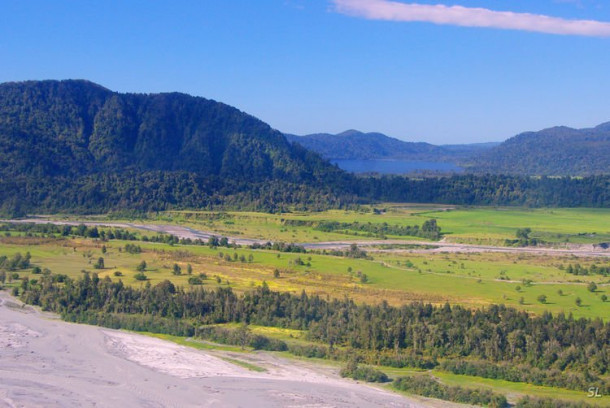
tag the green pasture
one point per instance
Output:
(473, 280)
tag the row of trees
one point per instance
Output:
(429, 229)
(594, 269)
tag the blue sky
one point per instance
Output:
(307, 66)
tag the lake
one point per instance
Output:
(395, 166)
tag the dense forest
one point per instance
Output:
(75, 146)
(496, 342)
(557, 151)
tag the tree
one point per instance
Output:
(276, 273)
(195, 280)
(542, 298)
(104, 249)
(140, 276)
(142, 266)
(578, 301)
(592, 287)
(523, 233)
(99, 264)
(177, 270)
(604, 298)
(189, 269)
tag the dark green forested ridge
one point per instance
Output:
(75, 128)
(557, 151)
(76, 146)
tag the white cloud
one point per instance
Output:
(469, 17)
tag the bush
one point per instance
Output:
(368, 374)
(428, 387)
(530, 402)
(195, 280)
(140, 276)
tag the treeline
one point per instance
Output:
(141, 192)
(428, 387)
(15, 262)
(280, 246)
(496, 334)
(429, 229)
(553, 377)
(577, 269)
(593, 191)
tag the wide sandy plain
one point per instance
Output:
(45, 362)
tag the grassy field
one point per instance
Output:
(472, 280)
(490, 225)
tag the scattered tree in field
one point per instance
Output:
(141, 266)
(140, 276)
(521, 300)
(560, 292)
(542, 298)
(36, 270)
(604, 298)
(118, 273)
(189, 269)
(250, 258)
(104, 250)
(195, 280)
(592, 287)
(176, 270)
(578, 301)
(276, 273)
(99, 264)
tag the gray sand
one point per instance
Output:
(45, 362)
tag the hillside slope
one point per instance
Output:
(557, 151)
(76, 135)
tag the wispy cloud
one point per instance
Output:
(470, 17)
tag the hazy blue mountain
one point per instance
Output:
(355, 145)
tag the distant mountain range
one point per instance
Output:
(557, 151)
(355, 145)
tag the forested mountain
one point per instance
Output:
(76, 128)
(57, 135)
(553, 152)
